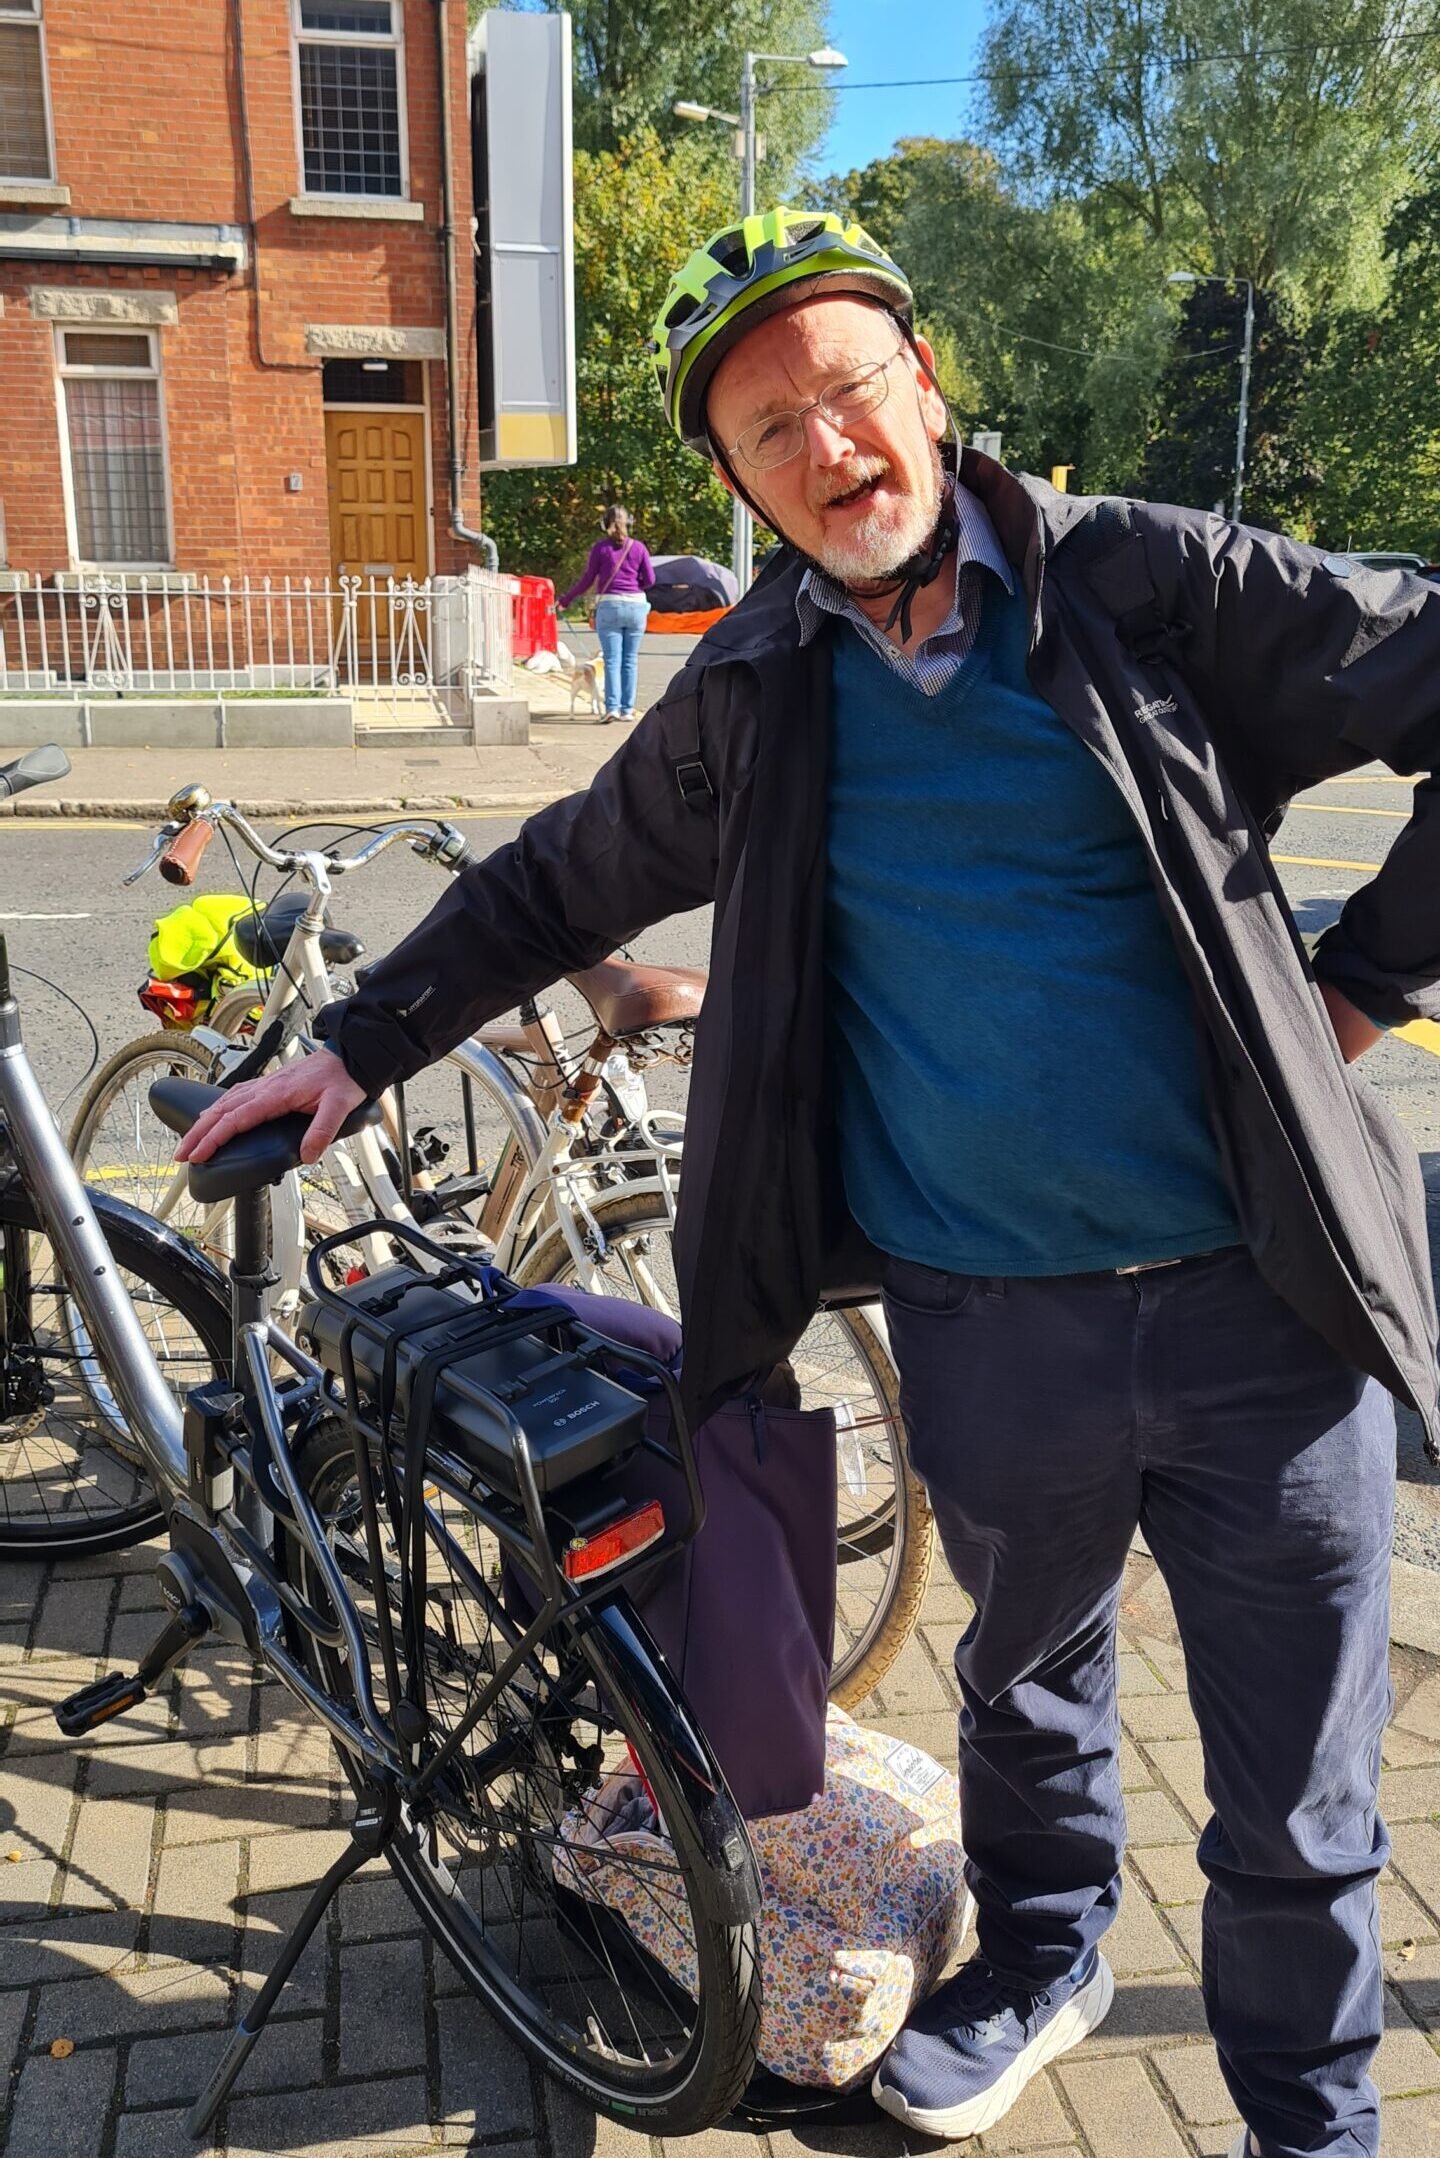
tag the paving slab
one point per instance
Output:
(184, 1849)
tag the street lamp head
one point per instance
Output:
(685, 111)
(1176, 277)
(827, 57)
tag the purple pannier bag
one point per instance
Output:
(744, 1615)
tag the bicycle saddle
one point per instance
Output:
(629, 1000)
(257, 1157)
(262, 938)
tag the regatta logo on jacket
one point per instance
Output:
(1156, 706)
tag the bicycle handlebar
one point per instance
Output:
(179, 846)
(181, 858)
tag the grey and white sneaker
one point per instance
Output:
(968, 2052)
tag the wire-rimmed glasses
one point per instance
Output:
(780, 436)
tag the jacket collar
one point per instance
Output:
(1029, 516)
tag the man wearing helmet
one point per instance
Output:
(1007, 1013)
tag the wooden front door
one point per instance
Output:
(378, 523)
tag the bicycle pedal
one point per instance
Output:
(97, 1703)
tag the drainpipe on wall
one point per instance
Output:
(247, 162)
(458, 527)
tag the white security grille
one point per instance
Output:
(139, 633)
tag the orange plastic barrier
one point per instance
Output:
(684, 625)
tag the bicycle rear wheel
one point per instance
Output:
(72, 1479)
(120, 1146)
(651, 2017)
(884, 1528)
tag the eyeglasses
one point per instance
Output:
(776, 439)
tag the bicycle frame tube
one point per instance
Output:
(153, 1414)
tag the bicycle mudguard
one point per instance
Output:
(179, 1249)
(730, 1872)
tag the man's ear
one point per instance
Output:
(723, 476)
(931, 397)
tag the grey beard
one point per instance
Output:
(877, 576)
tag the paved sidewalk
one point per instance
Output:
(136, 784)
(563, 754)
(150, 1871)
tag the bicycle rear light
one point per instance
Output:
(586, 1556)
(177, 1005)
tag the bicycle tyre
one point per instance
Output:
(123, 1082)
(162, 1264)
(863, 1662)
(672, 2096)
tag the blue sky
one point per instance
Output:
(888, 39)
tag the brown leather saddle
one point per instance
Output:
(628, 999)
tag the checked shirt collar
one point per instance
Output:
(936, 658)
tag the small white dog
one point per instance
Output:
(579, 673)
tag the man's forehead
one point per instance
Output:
(781, 356)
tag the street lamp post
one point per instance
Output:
(1192, 277)
(742, 527)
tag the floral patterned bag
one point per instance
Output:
(864, 1901)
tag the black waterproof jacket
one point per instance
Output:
(1214, 671)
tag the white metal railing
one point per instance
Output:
(159, 633)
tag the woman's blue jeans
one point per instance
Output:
(620, 624)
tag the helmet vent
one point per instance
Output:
(728, 249)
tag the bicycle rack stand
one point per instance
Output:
(370, 1831)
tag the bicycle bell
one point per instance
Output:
(188, 802)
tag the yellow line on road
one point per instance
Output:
(1348, 809)
(1372, 779)
(70, 824)
(1319, 861)
(515, 811)
(1423, 1033)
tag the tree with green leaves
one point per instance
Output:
(1192, 459)
(1265, 139)
(1049, 324)
(1371, 409)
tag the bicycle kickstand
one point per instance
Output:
(370, 1831)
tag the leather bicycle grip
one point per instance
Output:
(181, 858)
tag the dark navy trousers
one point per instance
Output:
(1049, 1419)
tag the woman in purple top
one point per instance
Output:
(621, 571)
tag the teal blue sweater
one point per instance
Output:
(1019, 1085)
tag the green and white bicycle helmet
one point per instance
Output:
(749, 271)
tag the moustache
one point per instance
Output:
(854, 477)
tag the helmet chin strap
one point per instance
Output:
(925, 565)
(921, 569)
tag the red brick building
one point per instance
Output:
(224, 315)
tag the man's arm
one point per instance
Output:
(1313, 670)
(583, 876)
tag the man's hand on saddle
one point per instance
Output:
(318, 1084)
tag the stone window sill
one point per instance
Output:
(36, 191)
(369, 208)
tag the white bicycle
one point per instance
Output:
(566, 1174)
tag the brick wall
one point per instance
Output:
(147, 125)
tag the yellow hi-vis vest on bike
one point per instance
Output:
(197, 938)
